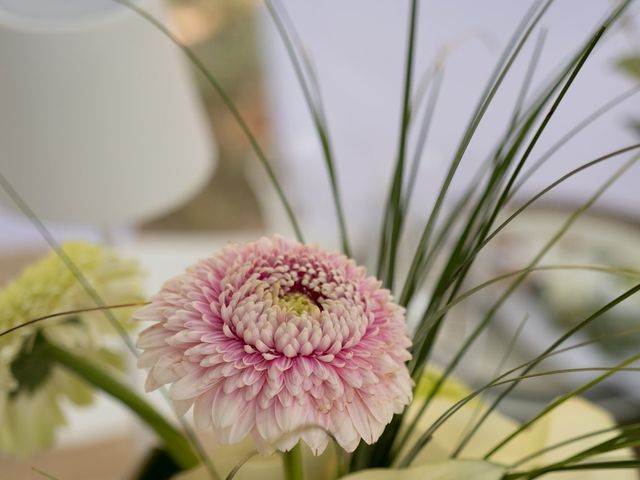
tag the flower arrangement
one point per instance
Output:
(281, 348)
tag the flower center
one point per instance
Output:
(298, 303)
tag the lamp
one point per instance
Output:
(100, 122)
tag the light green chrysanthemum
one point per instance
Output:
(31, 387)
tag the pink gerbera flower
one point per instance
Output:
(272, 337)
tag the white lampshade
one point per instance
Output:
(100, 121)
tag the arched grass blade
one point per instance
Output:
(88, 288)
(212, 80)
(579, 127)
(69, 313)
(396, 211)
(319, 122)
(518, 40)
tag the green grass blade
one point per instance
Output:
(429, 313)
(528, 78)
(542, 193)
(490, 314)
(500, 380)
(533, 111)
(559, 401)
(518, 40)
(395, 197)
(629, 273)
(621, 464)
(409, 288)
(317, 117)
(177, 445)
(579, 127)
(244, 127)
(423, 135)
(547, 118)
(626, 272)
(97, 299)
(569, 441)
(499, 369)
(67, 261)
(427, 435)
(377, 454)
(552, 347)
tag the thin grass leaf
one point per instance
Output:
(579, 127)
(67, 261)
(621, 464)
(527, 367)
(552, 347)
(442, 235)
(575, 70)
(395, 197)
(625, 272)
(423, 135)
(550, 187)
(213, 81)
(459, 251)
(367, 456)
(498, 370)
(583, 59)
(88, 288)
(511, 52)
(629, 273)
(535, 198)
(317, 117)
(68, 313)
(427, 332)
(559, 401)
(309, 67)
(425, 83)
(628, 437)
(538, 133)
(569, 441)
(240, 464)
(418, 268)
(466, 264)
(528, 78)
(426, 436)
(595, 340)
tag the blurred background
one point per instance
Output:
(107, 133)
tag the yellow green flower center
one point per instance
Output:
(298, 303)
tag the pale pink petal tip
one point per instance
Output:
(282, 341)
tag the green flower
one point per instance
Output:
(32, 388)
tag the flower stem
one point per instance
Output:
(175, 443)
(292, 464)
